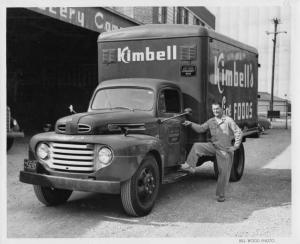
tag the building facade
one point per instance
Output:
(52, 59)
(279, 104)
(170, 15)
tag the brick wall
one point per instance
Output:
(145, 14)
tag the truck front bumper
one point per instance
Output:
(89, 185)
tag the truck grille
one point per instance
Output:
(62, 128)
(81, 128)
(71, 157)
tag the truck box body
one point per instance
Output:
(206, 65)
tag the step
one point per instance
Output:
(174, 177)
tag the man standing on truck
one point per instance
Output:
(223, 130)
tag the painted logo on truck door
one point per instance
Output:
(174, 134)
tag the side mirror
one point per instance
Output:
(72, 111)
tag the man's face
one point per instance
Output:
(217, 110)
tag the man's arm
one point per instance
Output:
(237, 132)
(196, 127)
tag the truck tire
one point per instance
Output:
(238, 164)
(51, 196)
(10, 142)
(138, 194)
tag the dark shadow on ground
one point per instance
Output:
(192, 199)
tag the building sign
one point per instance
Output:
(96, 19)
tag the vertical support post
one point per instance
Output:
(286, 112)
(276, 22)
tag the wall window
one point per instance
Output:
(178, 15)
(196, 21)
(175, 12)
(182, 15)
(185, 16)
(162, 15)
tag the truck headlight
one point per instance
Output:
(43, 151)
(105, 156)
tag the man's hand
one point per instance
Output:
(187, 123)
(232, 149)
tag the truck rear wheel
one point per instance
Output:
(138, 194)
(238, 164)
(51, 196)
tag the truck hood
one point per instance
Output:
(104, 122)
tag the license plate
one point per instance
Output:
(30, 165)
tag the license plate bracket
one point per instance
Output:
(30, 165)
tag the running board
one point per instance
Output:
(174, 177)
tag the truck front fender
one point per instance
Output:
(128, 151)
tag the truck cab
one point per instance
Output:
(129, 138)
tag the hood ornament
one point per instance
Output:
(72, 111)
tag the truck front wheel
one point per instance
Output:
(139, 193)
(51, 196)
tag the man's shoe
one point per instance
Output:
(221, 199)
(187, 168)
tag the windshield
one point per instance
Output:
(124, 98)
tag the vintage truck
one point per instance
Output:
(131, 139)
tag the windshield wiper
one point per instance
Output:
(131, 109)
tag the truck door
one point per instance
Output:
(171, 132)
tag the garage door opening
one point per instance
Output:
(50, 65)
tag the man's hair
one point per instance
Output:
(216, 103)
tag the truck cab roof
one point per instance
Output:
(160, 31)
(154, 84)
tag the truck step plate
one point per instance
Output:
(174, 177)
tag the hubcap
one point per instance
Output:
(146, 185)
